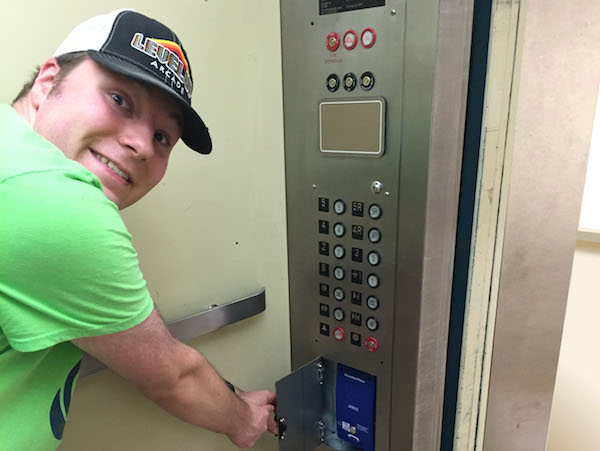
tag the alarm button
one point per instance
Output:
(333, 41)
(339, 334)
(371, 344)
(367, 38)
(350, 39)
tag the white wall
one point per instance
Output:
(214, 228)
(590, 211)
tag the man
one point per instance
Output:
(90, 135)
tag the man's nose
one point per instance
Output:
(139, 137)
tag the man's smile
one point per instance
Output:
(112, 166)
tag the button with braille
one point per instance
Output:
(355, 318)
(372, 280)
(339, 252)
(339, 229)
(323, 248)
(373, 302)
(372, 323)
(339, 273)
(339, 207)
(339, 314)
(374, 235)
(324, 289)
(374, 258)
(375, 211)
(355, 338)
(324, 269)
(357, 255)
(323, 204)
(339, 294)
(357, 232)
(356, 298)
(324, 310)
(324, 329)
(357, 209)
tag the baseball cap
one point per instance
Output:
(134, 45)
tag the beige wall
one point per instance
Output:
(214, 229)
(576, 406)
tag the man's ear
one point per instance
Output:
(44, 82)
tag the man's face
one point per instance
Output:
(120, 130)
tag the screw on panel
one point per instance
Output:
(322, 430)
(320, 372)
(393, 12)
(282, 428)
(314, 186)
(376, 187)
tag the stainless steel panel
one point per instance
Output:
(213, 318)
(420, 61)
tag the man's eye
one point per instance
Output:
(119, 100)
(161, 138)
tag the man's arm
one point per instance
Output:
(180, 380)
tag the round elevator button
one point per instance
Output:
(333, 41)
(339, 273)
(339, 294)
(372, 324)
(375, 211)
(367, 81)
(374, 235)
(373, 302)
(350, 39)
(339, 252)
(339, 334)
(333, 82)
(374, 258)
(339, 206)
(349, 81)
(367, 38)
(339, 314)
(371, 344)
(339, 229)
(372, 280)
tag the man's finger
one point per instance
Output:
(272, 425)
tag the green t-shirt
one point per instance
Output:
(67, 270)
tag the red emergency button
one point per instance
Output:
(371, 344)
(367, 38)
(339, 334)
(350, 39)
(333, 41)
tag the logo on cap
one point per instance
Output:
(169, 54)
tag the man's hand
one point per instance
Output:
(260, 407)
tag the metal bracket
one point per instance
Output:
(213, 318)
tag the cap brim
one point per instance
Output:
(195, 134)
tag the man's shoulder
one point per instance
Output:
(25, 153)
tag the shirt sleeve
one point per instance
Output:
(68, 268)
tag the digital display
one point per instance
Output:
(340, 6)
(352, 126)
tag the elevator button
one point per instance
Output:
(356, 298)
(339, 314)
(339, 229)
(323, 204)
(349, 81)
(339, 294)
(324, 329)
(333, 41)
(375, 211)
(357, 209)
(374, 235)
(339, 273)
(368, 37)
(339, 252)
(372, 280)
(372, 324)
(374, 258)
(373, 302)
(357, 255)
(339, 206)
(333, 82)
(355, 338)
(324, 310)
(350, 39)
(339, 334)
(371, 344)
(367, 81)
